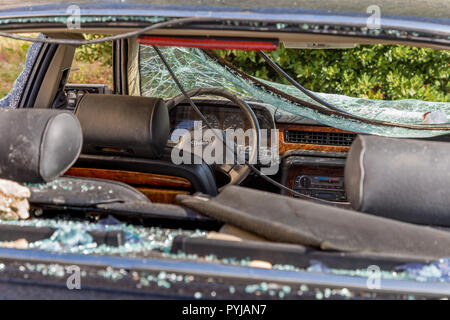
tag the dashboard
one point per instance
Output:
(312, 155)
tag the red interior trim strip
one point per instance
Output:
(209, 43)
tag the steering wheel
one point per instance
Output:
(236, 172)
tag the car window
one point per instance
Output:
(195, 68)
(92, 64)
(16, 60)
(12, 62)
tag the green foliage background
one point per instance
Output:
(101, 52)
(377, 71)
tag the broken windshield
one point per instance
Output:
(195, 69)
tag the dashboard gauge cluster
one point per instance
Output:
(233, 121)
(220, 115)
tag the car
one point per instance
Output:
(189, 178)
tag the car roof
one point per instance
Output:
(424, 9)
(425, 21)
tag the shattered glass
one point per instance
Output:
(73, 237)
(196, 69)
(11, 100)
(64, 19)
(436, 271)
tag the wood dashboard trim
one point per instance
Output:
(131, 177)
(150, 184)
(285, 146)
(161, 195)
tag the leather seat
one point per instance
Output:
(403, 179)
(130, 133)
(38, 146)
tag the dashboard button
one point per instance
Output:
(305, 181)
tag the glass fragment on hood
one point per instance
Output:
(73, 237)
(435, 271)
(196, 69)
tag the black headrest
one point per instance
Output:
(38, 145)
(127, 125)
(401, 179)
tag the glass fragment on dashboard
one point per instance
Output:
(196, 69)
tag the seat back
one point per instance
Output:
(135, 131)
(123, 125)
(37, 145)
(403, 179)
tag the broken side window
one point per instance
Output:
(17, 69)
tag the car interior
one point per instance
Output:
(358, 195)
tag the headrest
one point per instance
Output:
(401, 179)
(126, 125)
(38, 145)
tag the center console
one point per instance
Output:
(313, 160)
(315, 176)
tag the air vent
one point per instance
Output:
(320, 138)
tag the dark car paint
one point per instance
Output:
(434, 20)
